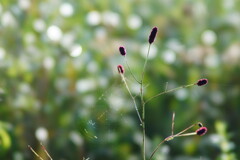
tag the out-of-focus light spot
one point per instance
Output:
(116, 102)
(100, 33)
(2, 53)
(93, 18)
(54, 33)
(41, 134)
(29, 38)
(134, 22)
(232, 55)
(17, 156)
(111, 18)
(76, 138)
(217, 97)
(48, 63)
(175, 45)
(144, 50)
(181, 94)
(67, 40)
(66, 10)
(212, 60)
(89, 100)
(200, 9)
(169, 56)
(39, 25)
(76, 50)
(234, 19)
(209, 37)
(92, 67)
(215, 138)
(85, 85)
(228, 4)
(24, 4)
(8, 20)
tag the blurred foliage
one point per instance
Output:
(59, 83)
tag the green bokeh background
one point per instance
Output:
(73, 100)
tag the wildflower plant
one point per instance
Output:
(141, 116)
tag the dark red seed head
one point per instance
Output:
(122, 51)
(120, 69)
(202, 82)
(152, 35)
(201, 131)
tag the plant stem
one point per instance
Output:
(131, 71)
(168, 91)
(143, 107)
(173, 136)
(135, 104)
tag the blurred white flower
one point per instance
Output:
(76, 50)
(39, 25)
(111, 18)
(232, 55)
(181, 94)
(8, 20)
(67, 40)
(209, 37)
(212, 60)
(169, 56)
(93, 18)
(234, 19)
(41, 134)
(66, 9)
(84, 85)
(24, 4)
(54, 33)
(48, 63)
(76, 138)
(134, 21)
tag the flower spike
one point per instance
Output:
(122, 51)
(202, 82)
(153, 35)
(201, 131)
(120, 69)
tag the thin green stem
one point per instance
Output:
(173, 136)
(35, 152)
(135, 104)
(131, 71)
(143, 106)
(168, 91)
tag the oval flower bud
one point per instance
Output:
(202, 82)
(152, 35)
(201, 131)
(122, 51)
(120, 69)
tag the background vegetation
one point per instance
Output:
(59, 83)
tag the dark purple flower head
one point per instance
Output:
(201, 131)
(202, 82)
(152, 35)
(120, 69)
(122, 51)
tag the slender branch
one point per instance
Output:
(143, 105)
(168, 91)
(173, 136)
(46, 151)
(135, 104)
(173, 117)
(35, 152)
(131, 71)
